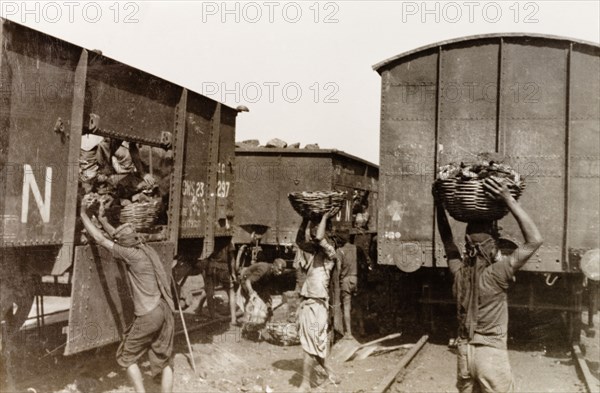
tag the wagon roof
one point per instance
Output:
(304, 152)
(379, 66)
(8, 22)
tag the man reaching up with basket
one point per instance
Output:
(481, 279)
(317, 257)
(153, 327)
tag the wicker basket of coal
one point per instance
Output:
(316, 203)
(460, 188)
(283, 333)
(141, 215)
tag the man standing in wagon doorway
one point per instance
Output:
(481, 281)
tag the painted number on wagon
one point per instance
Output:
(223, 188)
(193, 189)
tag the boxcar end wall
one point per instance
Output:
(535, 99)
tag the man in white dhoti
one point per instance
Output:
(317, 259)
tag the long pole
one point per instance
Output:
(187, 337)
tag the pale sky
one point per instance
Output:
(303, 79)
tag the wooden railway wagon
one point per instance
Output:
(536, 100)
(266, 223)
(51, 93)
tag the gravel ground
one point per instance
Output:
(226, 362)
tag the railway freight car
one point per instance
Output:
(534, 99)
(266, 223)
(54, 95)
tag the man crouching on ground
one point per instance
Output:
(152, 329)
(318, 258)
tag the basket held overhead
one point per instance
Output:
(316, 203)
(141, 215)
(461, 190)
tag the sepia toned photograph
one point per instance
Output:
(299, 196)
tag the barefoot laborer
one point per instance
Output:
(317, 259)
(481, 279)
(152, 330)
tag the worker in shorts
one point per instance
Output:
(347, 255)
(481, 279)
(317, 258)
(152, 330)
(217, 269)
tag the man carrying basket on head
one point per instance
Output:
(481, 279)
(317, 257)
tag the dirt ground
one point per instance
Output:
(534, 371)
(227, 362)
(539, 353)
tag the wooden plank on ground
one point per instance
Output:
(591, 383)
(389, 378)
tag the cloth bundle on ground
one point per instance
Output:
(256, 311)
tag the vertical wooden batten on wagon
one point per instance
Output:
(533, 98)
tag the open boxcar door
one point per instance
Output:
(126, 104)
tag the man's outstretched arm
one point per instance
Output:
(533, 237)
(248, 287)
(93, 230)
(320, 235)
(137, 162)
(104, 221)
(450, 248)
(301, 234)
